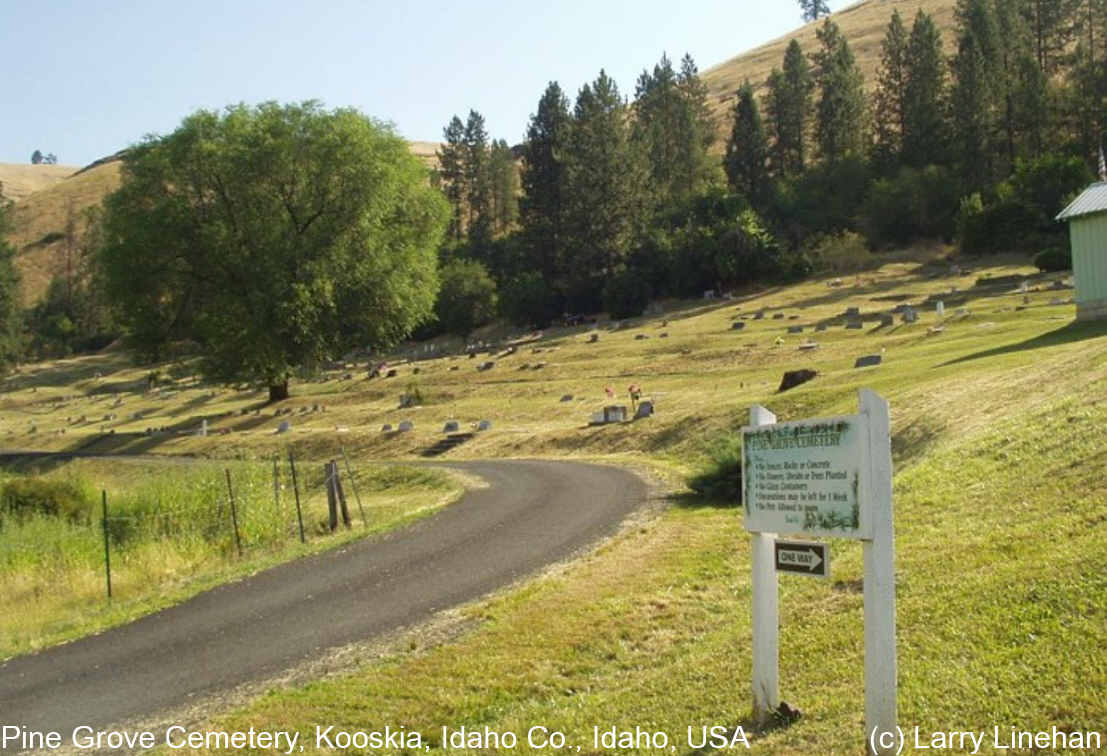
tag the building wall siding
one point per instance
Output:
(1089, 257)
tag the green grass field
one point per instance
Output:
(997, 416)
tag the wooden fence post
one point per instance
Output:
(332, 495)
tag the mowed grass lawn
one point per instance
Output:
(997, 440)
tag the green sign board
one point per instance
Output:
(807, 477)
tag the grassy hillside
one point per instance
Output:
(18, 180)
(39, 220)
(863, 24)
(996, 406)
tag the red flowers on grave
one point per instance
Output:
(635, 391)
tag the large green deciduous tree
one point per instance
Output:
(272, 237)
(11, 316)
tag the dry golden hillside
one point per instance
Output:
(19, 180)
(863, 24)
(43, 214)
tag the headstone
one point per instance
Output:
(203, 428)
(738, 326)
(820, 327)
(760, 315)
(616, 413)
(406, 426)
(854, 325)
(486, 366)
(853, 312)
(451, 426)
(940, 308)
(778, 316)
(887, 320)
(807, 347)
(386, 428)
(593, 338)
(284, 427)
(645, 409)
(868, 360)
(1024, 287)
(596, 418)
(567, 398)
(909, 315)
(663, 335)
(641, 337)
(795, 329)
(795, 378)
(709, 294)
(484, 425)
(391, 373)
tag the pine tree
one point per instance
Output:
(702, 167)
(789, 109)
(475, 168)
(747, 150)
(1087, 94)
(1052, 24)
(658, 115)
(674, 127)
(606, 198)
(889, 100)
(504, 186)
(841, 119)
(976, 98)
(542, 206)
(813, 10)
(451, 175)
(924, 96)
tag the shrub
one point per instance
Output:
(1053, 259)
(843, 252)
(721, 477)
(23, 497)
(528, 300)
(626, 294)
(467, 299)
(911, 205)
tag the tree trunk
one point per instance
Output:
(278, 391)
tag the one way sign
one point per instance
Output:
(803, 557)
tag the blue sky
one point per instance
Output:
(83, 79)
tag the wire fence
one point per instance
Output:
(225, 510)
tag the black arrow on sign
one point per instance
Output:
(803, 558)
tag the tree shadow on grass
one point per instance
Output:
(1075, 331)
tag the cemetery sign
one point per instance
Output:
(807, 477)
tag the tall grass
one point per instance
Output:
(171, 533)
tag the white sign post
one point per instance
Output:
(826, 477)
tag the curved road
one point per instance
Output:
(533, 513)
